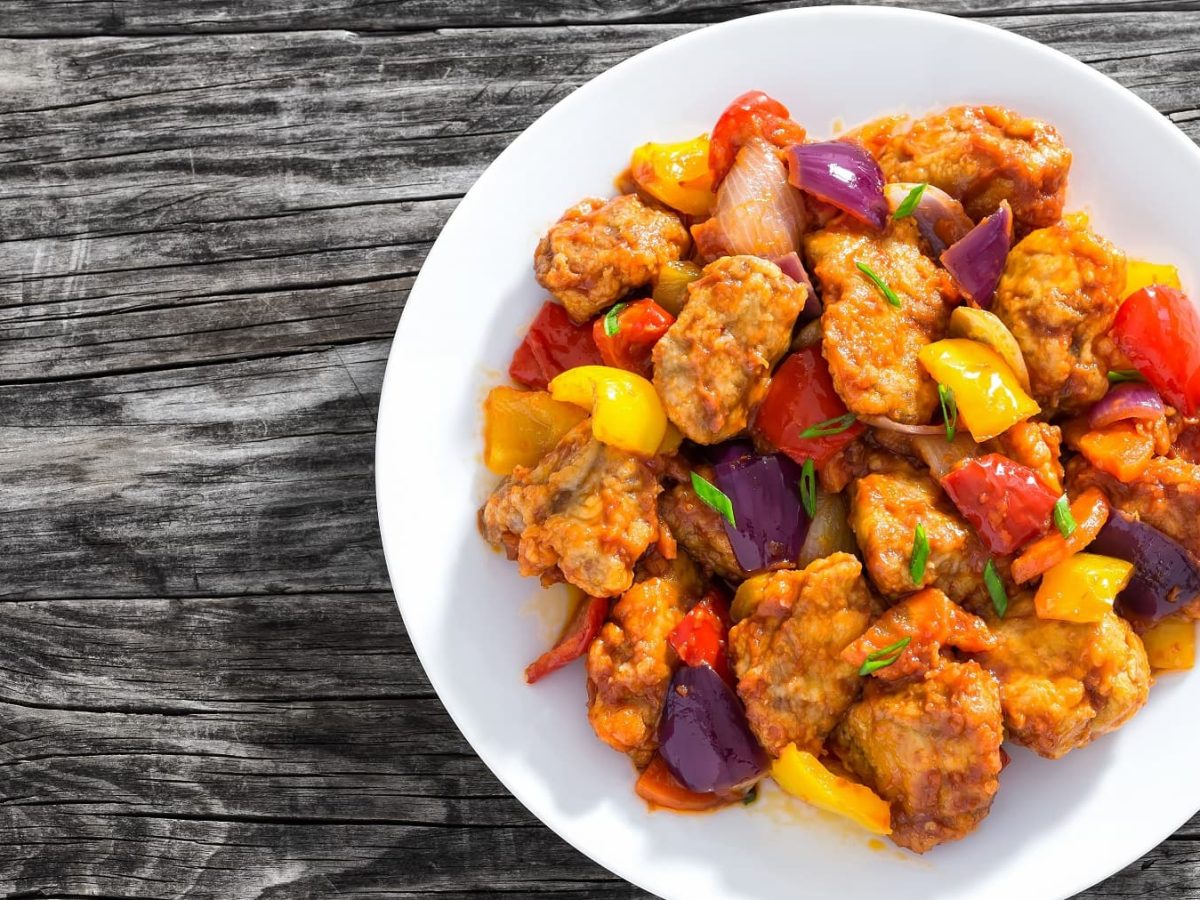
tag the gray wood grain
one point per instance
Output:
(212, 215)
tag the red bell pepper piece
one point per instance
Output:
(1158, 328)
(1005, 501)
(552, 345)
(700, 638)
(581, 630)
(636, 329)
(658, 787)
(801, 395)
(753, 114)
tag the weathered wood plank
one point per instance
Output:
(84, 17)
(221, 217)
(248, 477)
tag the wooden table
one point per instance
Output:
(212, 214)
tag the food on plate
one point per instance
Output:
(859, 457)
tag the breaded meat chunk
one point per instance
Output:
(584, 513)
(871, 346)
(886, 507)
(699, 529)
(980, 155)
(931, 748)
(1166, 495)
(630, 664)
(600, 250)
(713, 365)
(1058, 295)
(1063, 684)
(787, 652)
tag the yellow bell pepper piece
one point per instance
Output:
(1082, 587)
(801, 774)
(677, 174)
(626, 411)
(671, 287)
(1139, 274)
(990, 399)
(1171, 643)
(671, 441)
(520, 427)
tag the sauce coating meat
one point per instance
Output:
(870, 345)
(979, 155)
(601, 250)
(713, 365)
(1037, 445)
(699, 529)
(1059, 293)
(1166, 495)
(787, 652)
(1063, 684)
(931, 748)
(885, 508)
(585, 513)
(630, 664)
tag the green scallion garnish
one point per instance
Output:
(881, 659)
(909, 203)
(887, 292)
(1120, 376)
(612, 322)
(995, 587)
(808, 487)
(949, 411)
(920, 554)
(836, 425)
(713, 496)
(1062, 516)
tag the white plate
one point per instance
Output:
(1056, 827)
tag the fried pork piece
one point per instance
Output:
(979, 155)
(1059, 293)
(1037, 445)
(787, 653)
(1186, 445)
(928, 620)
(713, 365)
(601, 250)
(1063, 684)
(630, 664)
(699, 529)
(885, 509)
(931, 748)
(584, 513)
(1166, 495)
(870, 345)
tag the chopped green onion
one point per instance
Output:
(713, 496)
(612, 324)
(949, 411)
(808, 487)
(881, 659)
(750, 796)
(1119, 376)
(995, 587)
(920, 554)
(836, 425)
(887, 292)
(1062, 516)
(909, 203)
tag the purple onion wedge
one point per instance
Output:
(771, 522)
(703, 736)
(842, 174)
(793, 268)
(939, 217)
(1133, 400)
(976, 261)
(1166, 577)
